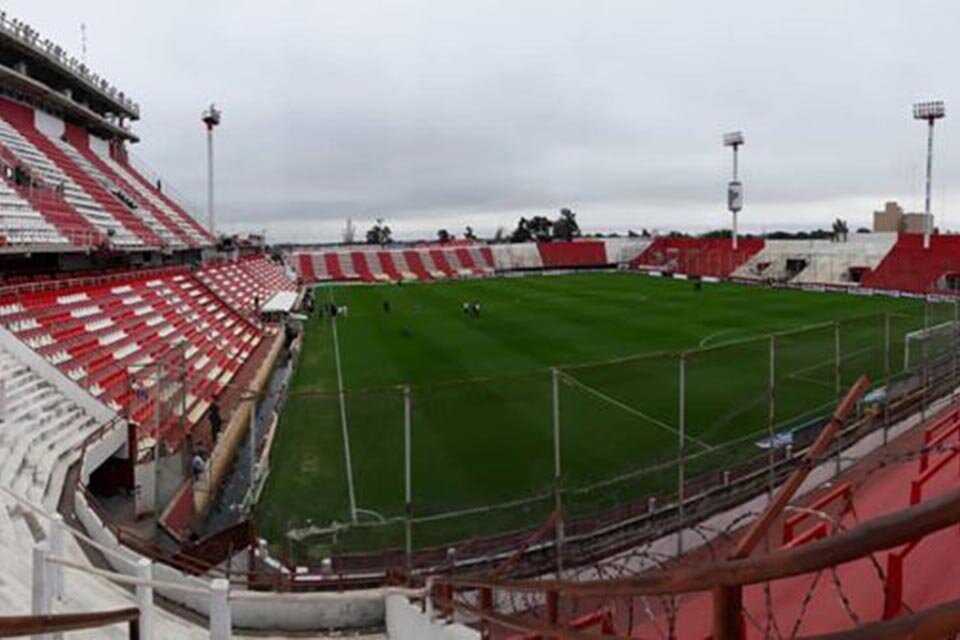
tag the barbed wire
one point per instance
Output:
(658, 615)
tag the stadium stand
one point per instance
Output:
(439, 259)
(106, 213)
(45, 421)
(359, 261)
(41, 430)
(98, 331)
(180, 219)
(697, 256)
(818, 261)
(388, 266)
(23, 225)
(244, 282)
(78, 147)
(433, 262)
(416, 265)
(586, 253)
(522, 256)
(910, 267)
(403, 269)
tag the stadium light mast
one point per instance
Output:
(735, 188)
(931, 112)
(211, 118)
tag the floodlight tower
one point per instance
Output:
(931, 112)
(735, 188)
(211, 118)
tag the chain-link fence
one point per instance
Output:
(456, 466)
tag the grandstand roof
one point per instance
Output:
(39, 69)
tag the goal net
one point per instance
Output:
(928, 345)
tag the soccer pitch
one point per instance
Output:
(482, 418)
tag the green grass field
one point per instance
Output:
(482, 419)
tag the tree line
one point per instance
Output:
(564, 227)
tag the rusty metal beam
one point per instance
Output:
(15, 626)
(762, 525)
(877, 534)
(933, 623)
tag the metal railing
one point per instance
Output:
(725, 579)
(17, 626)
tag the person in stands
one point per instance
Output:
(198, 465)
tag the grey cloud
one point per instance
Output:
(454, 113)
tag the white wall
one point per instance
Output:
(265, 610)
(827, 261)
(405, 621)
(100, 147)
(523, 255)
(48, 124)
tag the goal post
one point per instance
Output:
(940, 338)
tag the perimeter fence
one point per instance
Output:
(472, 468)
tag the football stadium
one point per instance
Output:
(546, 434)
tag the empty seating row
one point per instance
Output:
(41, 432)
(247, 283)
(697, 256)
(34, 150)
(160, 201)
(56, 190)
(420, 263)
(910, 267)
(582, 253)
(122, 338)
(818, 261)
(434, 262)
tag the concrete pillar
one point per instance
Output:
(145, 599)
(428, 599)
(40, 588)
(220, 624)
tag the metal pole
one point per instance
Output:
(836, 378)
(252, 436)
(836, 359)
(158, 402)
(735, 177)
(928, 221)
(407, 479)
(210, 218)
(771, 415)
(681, 447)
(956, 328)
(886, 376)
(557, 473)
(925, 351)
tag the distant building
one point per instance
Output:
(893, 218)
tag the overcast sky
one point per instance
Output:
(445, 113)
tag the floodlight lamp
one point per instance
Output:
(211, 117)
(929, 110)
(733, 139)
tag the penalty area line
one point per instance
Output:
(631, 410)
